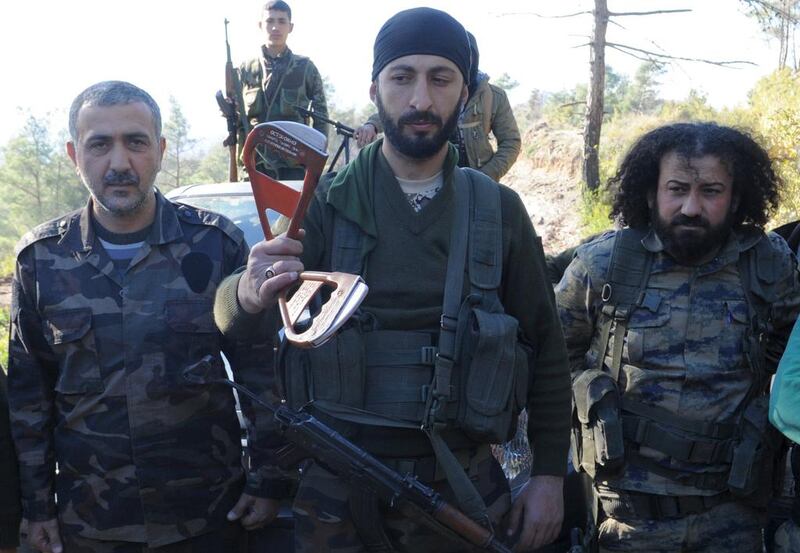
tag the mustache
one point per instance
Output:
(120, 178)
(416, 116)
(683, 220)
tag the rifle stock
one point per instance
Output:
(360, 469)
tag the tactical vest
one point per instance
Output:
(609, 429)
(472, 376)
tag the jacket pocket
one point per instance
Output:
(290, 99)
(194, 333)
(69, 333)
(253, 101)
(645, 333)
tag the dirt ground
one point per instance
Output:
(552, 200)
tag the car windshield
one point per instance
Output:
(239, 209)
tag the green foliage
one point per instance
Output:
(7, 264)
(505, 82)
(774, 115)
(180, 161)
(37, 181)
(595, 208)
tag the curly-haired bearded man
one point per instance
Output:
(674, 325)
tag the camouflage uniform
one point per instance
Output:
(300, 83)
(684, 352)
(95, 380)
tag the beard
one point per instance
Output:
(121, 205)
(418, 145)
(689, 247)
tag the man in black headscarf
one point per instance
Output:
(439, 360)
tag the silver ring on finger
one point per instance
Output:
(269, 273)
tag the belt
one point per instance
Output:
(656, 507)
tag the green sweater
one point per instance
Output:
(405, 266)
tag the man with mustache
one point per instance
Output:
(485, 111)
(401, 379)
(275, 83)
(674, 325)
(110, 305)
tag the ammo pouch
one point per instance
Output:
(597, 440)
(334, 373)
(492, 374)
(755, 455)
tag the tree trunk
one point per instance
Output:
(594, 98)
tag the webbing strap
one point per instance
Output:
(656, 507)
(468, 498)
(628, 272)
(715, 430)
(714, 481)
(647, 433)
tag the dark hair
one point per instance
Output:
(277, 5)
(112, 93)
(754, 179)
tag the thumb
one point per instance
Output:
(239, 509)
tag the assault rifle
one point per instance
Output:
(359, 468)
(232, 108)
(341, 129)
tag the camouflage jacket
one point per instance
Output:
(299, 84)
(10, 508)
(684, 350)
(95, 379)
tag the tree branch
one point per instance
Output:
(624, 48)
(655, 12)
(631, 54)
(774, 9)
(563, 16)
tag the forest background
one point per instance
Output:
(38, 181)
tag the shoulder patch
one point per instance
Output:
(197, 216)
(49, 229)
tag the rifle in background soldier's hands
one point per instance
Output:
(232, 108)
(341, 129)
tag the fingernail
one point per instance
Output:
(294, 275)
(231, 515)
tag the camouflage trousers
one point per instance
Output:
(787, 538)
(726, 528)
(231, 538)
(323, 521)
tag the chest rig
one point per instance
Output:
(609, 429)
(471, 376)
